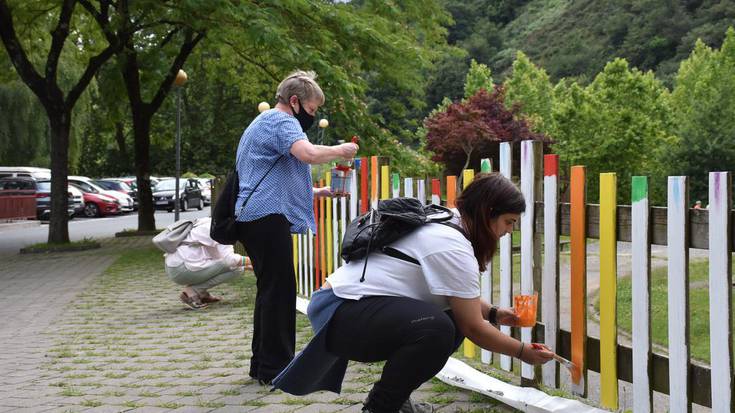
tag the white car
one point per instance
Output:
(206, 187)
(78, 199)
(126, 202)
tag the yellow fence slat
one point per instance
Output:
(384, 182)
(469, 347)
(608, 292)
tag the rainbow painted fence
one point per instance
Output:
(317, 255)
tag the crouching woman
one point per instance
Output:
(414, 316)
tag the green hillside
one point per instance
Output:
(576, 38)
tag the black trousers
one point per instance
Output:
(268, 243)
(415, 338)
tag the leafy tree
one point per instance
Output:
(620, 123)
(530, 88)
(149, 63)
(469, 130)
(23, 139)
(704, 113)
(57, 96)
(447, 78)
(478, 77)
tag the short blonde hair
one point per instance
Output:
(303, 85)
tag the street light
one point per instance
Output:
(179, 82)
(323, 124)
(263, 106)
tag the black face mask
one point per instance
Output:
(304, 118)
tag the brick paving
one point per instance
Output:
(103, 331)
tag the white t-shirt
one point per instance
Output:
(198, 251)
(448, 269)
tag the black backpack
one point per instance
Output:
(224, 228)
(394, 219)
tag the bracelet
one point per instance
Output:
(492, 315)
(520, 353)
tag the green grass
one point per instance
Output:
(45, 246)
(698, 308)
(91, 403)
(170, 405)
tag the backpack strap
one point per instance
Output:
(457, 227)
(256, 185)
(392, 252)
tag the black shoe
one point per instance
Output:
(409, 406)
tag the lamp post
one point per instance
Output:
(179, 83)
(323, 124)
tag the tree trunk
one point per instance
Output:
(60, 120)
(460, 175)
(146, 210)
(120, 139)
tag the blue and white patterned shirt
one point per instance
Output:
(287, 189)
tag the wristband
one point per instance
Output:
(492, 315)
(520, 353)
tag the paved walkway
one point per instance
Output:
(96, 332)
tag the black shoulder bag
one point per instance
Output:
(224, 228)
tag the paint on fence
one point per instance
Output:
(678, 294)
(451, 190)
(421, 190)
(467, 176)
(578, 268)
(486, 277)
(408, 187)
(641, 285)
(528, 177)
(436, 192)
(506, 255)
(550, 290)
(364, 201)
(608, 292)
(720, 291)
(328, 230)
(384, 182)
(374, 174)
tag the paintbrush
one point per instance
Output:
(573, 369)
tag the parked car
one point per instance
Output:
(206, 186)
(130, 181)
(88, 186)
(97, 204)
(120, 186)
(25, 172)
(78, 199)
(189, 193)
(41, 190)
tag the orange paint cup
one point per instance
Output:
(525, 308)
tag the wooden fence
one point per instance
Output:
(17, 205)
(317, 255)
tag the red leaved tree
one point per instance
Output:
(472, 129)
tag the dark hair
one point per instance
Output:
(488, 196)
